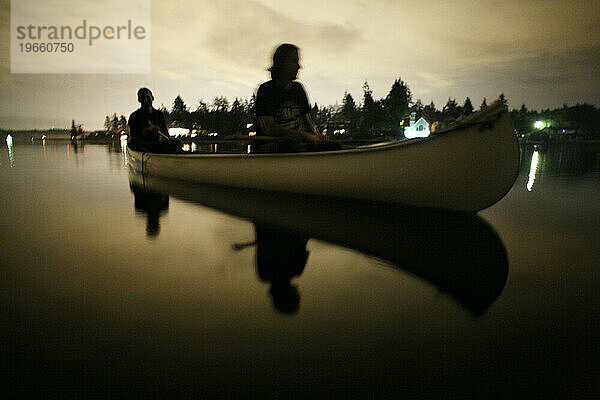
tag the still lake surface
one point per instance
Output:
(105, 295)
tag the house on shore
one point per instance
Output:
(418, 128)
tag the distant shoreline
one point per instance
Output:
(36, 136)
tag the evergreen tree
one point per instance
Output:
(199, 115)
(396, 106)
(467, 107)
(325, 116)
(371, 113)
(180, 114)
(314, 114)
(107, 124)
(220, 103)
(237, 121)
(217, 120)
(250, 106)
(350, 113)
(122, 126)
(179, 106)
(418, 107)
(521, 120)
(483, 105)
(430, 113)
(503, 100)
(202, 108)
(114, 125)
(451, 110)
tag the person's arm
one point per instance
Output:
(269, 127)
(151, 131)
(309, 124)
(135, 129)
(306, 122)
(163, 124)
(157, 128)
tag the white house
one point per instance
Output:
(416, 129)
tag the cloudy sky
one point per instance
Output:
(543, 53)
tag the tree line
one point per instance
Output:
(366, 118)
(582, 120)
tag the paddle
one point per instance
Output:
(158, 130)
(166, 137)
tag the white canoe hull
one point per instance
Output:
(465, 169)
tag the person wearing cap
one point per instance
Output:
(282, 108)
(147, 127)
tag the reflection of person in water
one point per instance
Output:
(151, 204)
(280, 256)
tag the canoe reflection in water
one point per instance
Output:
(458, 253)
(151, 204)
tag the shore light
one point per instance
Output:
(178, 131)
(532, 170)
(11, 157)
(538, 124)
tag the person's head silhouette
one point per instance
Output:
(286, 62)
(145, 97)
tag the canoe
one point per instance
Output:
(467, 167)
(458, 253)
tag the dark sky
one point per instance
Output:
(541, 53)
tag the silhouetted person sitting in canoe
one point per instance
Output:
(147, 128)
(282, 108)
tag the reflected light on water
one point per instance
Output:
(190, 147)
(11, 156)
(123, 143)
(532, 170)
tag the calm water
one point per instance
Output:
(106, 293)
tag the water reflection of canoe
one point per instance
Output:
(467, 168)
(457, 252)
